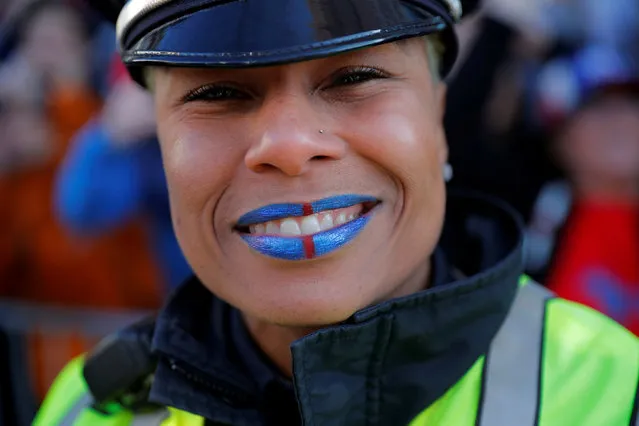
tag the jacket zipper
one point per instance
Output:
(230, 394)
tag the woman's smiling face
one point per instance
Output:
(302, 193)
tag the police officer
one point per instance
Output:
(336, 281)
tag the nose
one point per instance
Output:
(289, 138)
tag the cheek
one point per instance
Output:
(197, 166)
(403, 136)
(198, 169)
(578, 147)
(406, 140)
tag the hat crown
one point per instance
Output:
(132, 10)
(247, 33)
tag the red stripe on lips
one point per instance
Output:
(308, 209)
(309, 247)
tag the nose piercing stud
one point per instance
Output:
(321, 131)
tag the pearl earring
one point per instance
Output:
(448, 172)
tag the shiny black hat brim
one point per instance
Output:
(254, 33)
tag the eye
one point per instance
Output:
(357, 75)
(215, 93)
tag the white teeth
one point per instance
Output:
(310, 225)
(306, 225)
(290, 227)
(327, 222)
(272, 228)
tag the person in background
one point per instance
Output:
(48, 79)
(113, 173)
(584, 233)
(336, 280)
(491, 150)
(46, 96)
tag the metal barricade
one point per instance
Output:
(38, 341)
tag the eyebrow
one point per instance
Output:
(351, 56)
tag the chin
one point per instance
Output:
(253, 272)
(310, 294)
(310, 314)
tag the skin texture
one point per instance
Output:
(256, 142)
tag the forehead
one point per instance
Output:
(398, 55)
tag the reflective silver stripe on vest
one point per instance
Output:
(151, 419)
(511, 382)
(72, 415)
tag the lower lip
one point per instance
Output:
(310, 246)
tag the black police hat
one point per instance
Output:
(245, 33)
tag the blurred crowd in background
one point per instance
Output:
(543, 112)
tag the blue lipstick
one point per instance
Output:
(308, 246)
(280, 211)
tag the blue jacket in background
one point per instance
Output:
(100, 187)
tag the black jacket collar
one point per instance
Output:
(383, 366)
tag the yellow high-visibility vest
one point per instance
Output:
(552, 363)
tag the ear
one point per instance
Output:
(441, 89)
(443, 152)
(440, 104)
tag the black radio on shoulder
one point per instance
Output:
(120, 369)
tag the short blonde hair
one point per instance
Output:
(435, 52)
(148, 78)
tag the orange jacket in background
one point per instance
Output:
(54, 266)
(41, 262)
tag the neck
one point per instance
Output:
(275, 340)
(607, 190)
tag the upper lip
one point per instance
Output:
(282, 210)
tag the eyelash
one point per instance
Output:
(361, 74)
(214, 92)
(222, 92)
